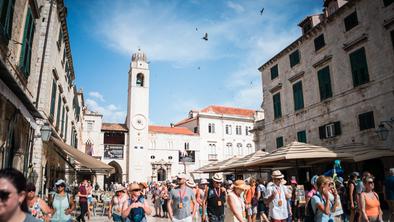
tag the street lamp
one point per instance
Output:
(382, 131)
(46, 132)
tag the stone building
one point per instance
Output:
(142, 152)
(333, 86)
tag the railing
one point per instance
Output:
(212, 157)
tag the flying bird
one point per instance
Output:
(205, 37)
(196, 29)
(261, 11)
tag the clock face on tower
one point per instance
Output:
(139, 122)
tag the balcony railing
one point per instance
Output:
(212, 157)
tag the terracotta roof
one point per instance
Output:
(232, 111)
(170, 130)
(114, 127)
(185, 121)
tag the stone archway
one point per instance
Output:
(115, 177)
(161, 170)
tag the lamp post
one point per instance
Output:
(382, 131)
(46, 132)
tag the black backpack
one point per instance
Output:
(309, 213)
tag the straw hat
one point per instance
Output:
(204, 181)
(119, 188)
(182, 176)
(190, 183)
(240, 184)
(276, 174)
(134, 186)
(217, 178)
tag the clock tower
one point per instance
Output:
(138, 118)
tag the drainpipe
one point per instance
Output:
(43, 53)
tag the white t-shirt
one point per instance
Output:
(278, 206)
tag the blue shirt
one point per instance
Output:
(319, 215)
(389, 186)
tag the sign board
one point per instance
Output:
(113, 152)
(300, 194)
(187, 156)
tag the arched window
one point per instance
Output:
(249, 147)
(229, 150)
(140, 80)
(239, 147)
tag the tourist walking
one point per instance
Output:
(389, 192)
(323, 204)
(164, 197)
(83, 202)
(203, 187)
(215, 198)
(261, 209)
(235, 205)
(156, 200)
(370, 205)
(62, 203)
(276, 198)
(135, 208)
(116, 204)
(37, 206)
(251, 201)
(13, 202)
(352, 194)
(179, 202)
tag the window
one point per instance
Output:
(62, 130)
(229, 150)
(298, 96)
(319, 42)
(392, 38)
(65, 128)
(64, 56)
(195, 130)
(187, 146)
(212, 152)
(323, 76)
(330, 130)
(366, 121)
(6, 17)
(238, 130)
(301, 136)
(294, 58)
(277, 106)
(152, 157)
(140, 80)
(89, 125)
(239, 148)
(27, 43)
(53, 100)
(358, 63)
(249, 148)
(351, 21)
(228, 129)
(247, 130)
(387, 2)
(59, 105)
(170, 157)
(211, 128)
(60, 38)
(279, 142)
(274, 72)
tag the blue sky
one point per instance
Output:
(186, 72)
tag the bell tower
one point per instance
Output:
(138, 117)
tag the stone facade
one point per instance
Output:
(355, 105)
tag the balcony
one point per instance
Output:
(212, 157)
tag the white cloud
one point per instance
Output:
(97, 95)
(237, 7)
(111, 113)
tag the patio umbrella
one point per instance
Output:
(361, 152)
(241, 162)
(215, 167)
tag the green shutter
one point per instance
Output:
(351, 21)
(65, 129)
(279, 142)
(298, 96)
(277, 106)
(366, 121)
(301, 136)
(59, 103)
(358, 62)
(274, 72)
(323, 76)
(62, 130)
(319, 42)
(6, 18)
(27, 44)
(53, 100)
(294, 58)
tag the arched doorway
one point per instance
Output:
(161, 174)
(115, 177)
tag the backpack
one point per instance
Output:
(137, 214)
(309, 213)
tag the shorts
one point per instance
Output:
(261, 207)
(252, 210)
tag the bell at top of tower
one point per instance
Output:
(139, 56)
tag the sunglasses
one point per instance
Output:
(370, 182)
(4, 195)
(135, 190)
(30, 191)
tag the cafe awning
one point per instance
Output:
(250, 158)
(361, 152)
(84, 161)
(216, 166)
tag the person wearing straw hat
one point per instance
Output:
(236, 207)
(203, 187)
(179, 202)
(116, 204)
(192, 185)
(276, 198)
(214, 200)
(136, 208)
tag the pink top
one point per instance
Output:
(311, 193)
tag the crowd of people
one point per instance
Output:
(329, 199)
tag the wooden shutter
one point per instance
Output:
(294, 58)
(274, 72)
(322, 132)
(319, 42)
(358, 62)
(59, 103)
(277, 106)
(298, 96)
(53, 100)
(301, 136)
(337, 128)
(323, 76)
(27, 42)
